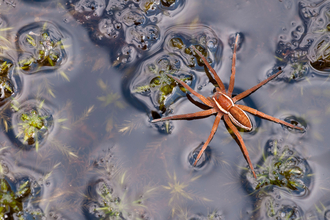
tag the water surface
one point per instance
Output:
(81, 81)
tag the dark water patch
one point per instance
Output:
(143, 37)
(110, 29)
(127, 55)
(293, 49)
(163, 7)
(94, 7)
(123, 25)
(131, 17)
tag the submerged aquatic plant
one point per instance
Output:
(32, 123)
(299, 70)
(10, 201)
(161, 85)
(112, 206)
(179, 192)
(48, 53)
(129, 125)
(4, 68)
(48, 50)
(320, 55)
(269, 207)
(283, 168)
(110, 100)
(6, 84)
(6, 88)
(117, 203)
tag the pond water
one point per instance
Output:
(81, 81)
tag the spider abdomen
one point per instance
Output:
(223, 102)
(239, 118)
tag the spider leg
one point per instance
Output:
(268, 117)
(197, 103)
(216, 77)
(214, 129)
(240, 139)
(233, 70)
(188, 116)
(202, 98)
(254, 88)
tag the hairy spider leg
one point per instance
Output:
(240, 139)
(188, 116)
(254, 88)
(202, 98)
(216, 77)
(233, 70)
(268, 117)
(214, 129)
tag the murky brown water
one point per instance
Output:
(81, 81)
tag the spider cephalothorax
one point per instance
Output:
(222, 104)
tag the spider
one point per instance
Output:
(222, 104)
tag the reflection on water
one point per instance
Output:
(81, 80)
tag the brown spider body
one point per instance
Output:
(222, 104)
(226, 105)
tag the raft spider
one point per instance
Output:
(222, 104)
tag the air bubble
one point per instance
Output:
(118, 25)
